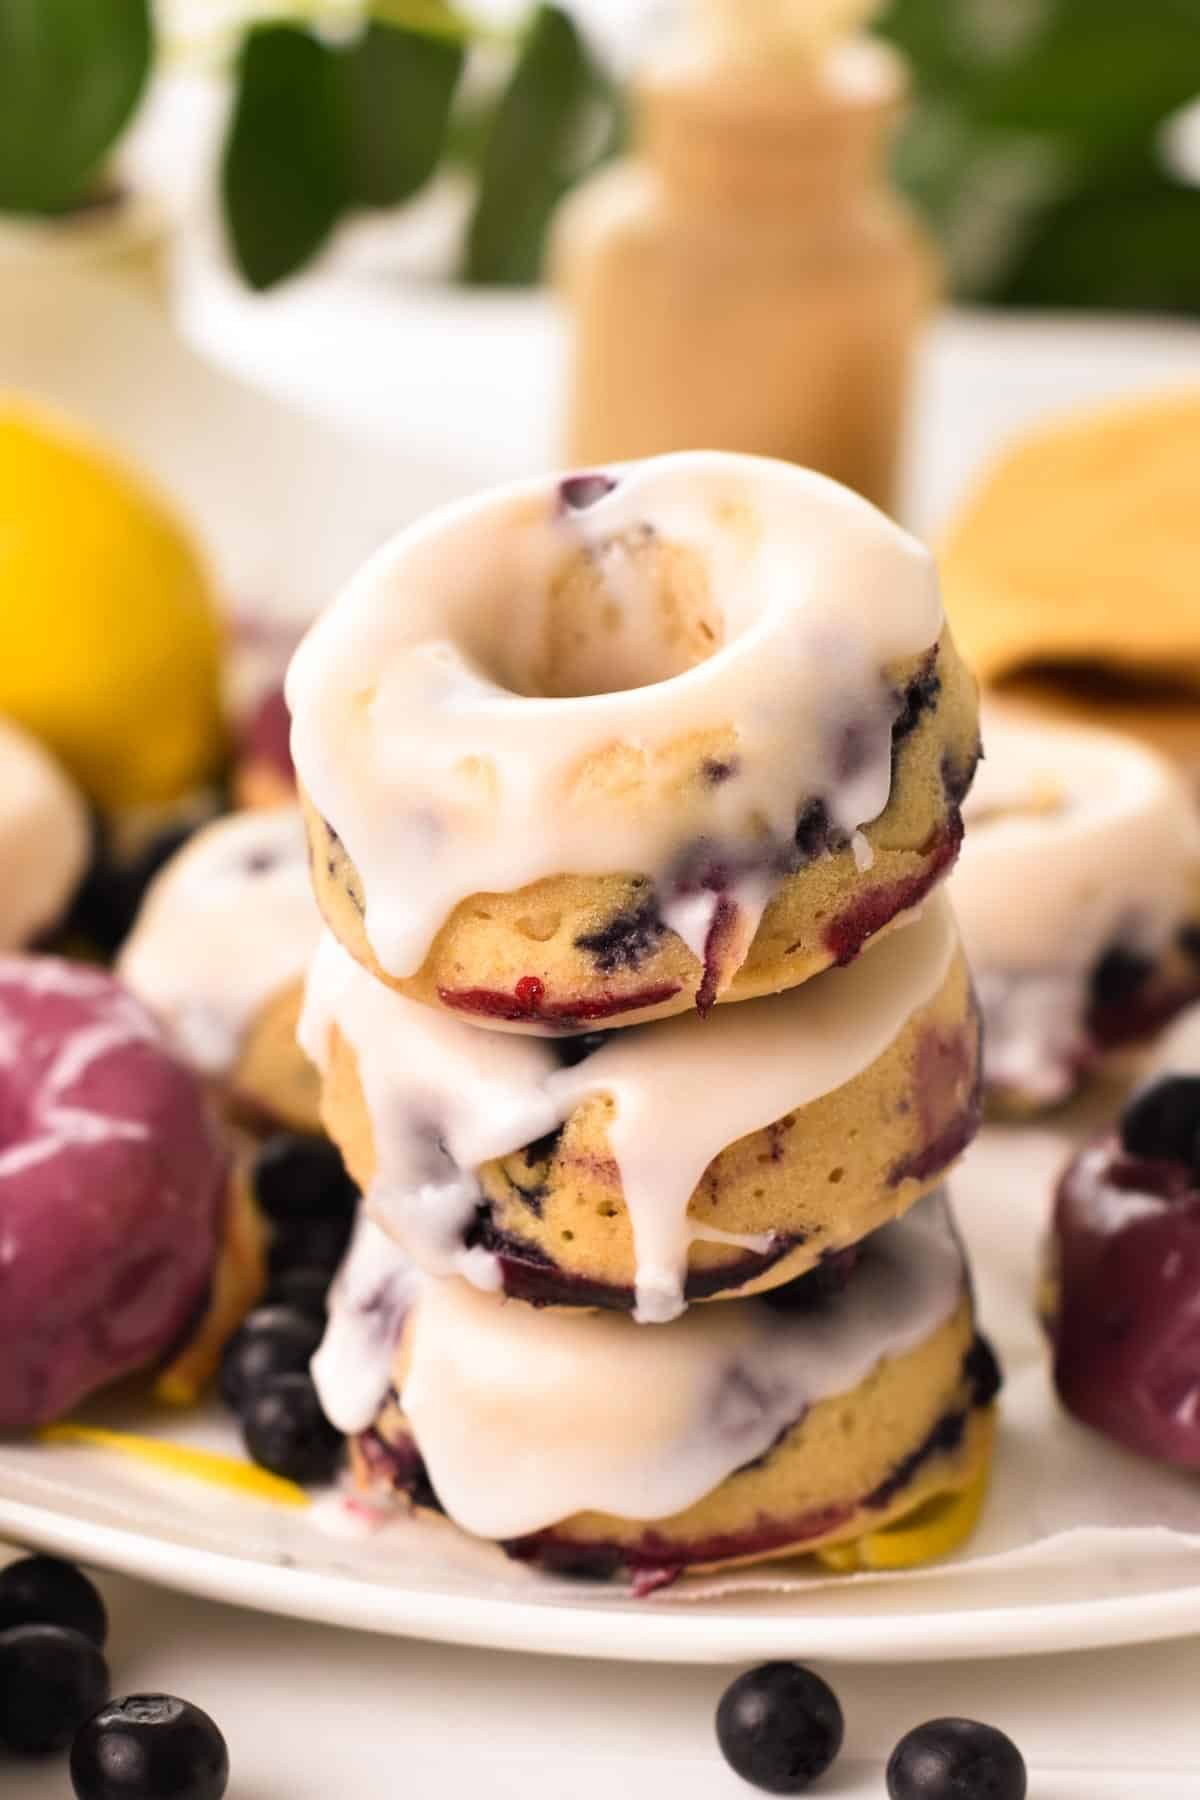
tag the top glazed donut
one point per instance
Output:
(594, 750)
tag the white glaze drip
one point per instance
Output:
(225, 927)
(369, 1300)
(1076, 839)
(444, 1097)
(424, 733)
(524, 1418)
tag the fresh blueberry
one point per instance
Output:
(1162, 1120)
(309, 1244)
(51, 1680)
(274, 1340)
(149, 1747)
(779, 1727)
(956, 1759)
(42, 1590)
(305, 1289)
(301, 1177)
(286, 1431)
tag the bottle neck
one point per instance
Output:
(731, 139)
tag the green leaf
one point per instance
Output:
(398, 90)
(533, 150)
(1130, 243)
(71, 74)
(1036, 121)
(431, 18)
(284, 175)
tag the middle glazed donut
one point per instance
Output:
(691, 1160)
(597, 750)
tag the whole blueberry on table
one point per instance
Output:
(780, 1727)
(42, 1590)
(956, 1759)
(286, 1432)
(149, 1747)
(273, 1340)
(51, 1680)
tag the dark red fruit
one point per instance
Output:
(1127, 1326)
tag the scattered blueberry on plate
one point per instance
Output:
(272, 1340)
(780, 1727)
(302, 1177)
(956, 1759)
(305, 1288)
(286, 1432)
(1162, 1120)
(42, 1590)
(149, 1747)
(51, 1680)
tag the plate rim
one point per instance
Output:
(662, 1635)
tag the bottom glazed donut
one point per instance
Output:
(800, 1421)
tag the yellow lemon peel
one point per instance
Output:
(933, 1530)
(180, 1459)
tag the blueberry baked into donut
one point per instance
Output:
(692, 1159)
(1078, 895)
(805, 1420)
(595, 751)
(1122, 1298)
(218, 953)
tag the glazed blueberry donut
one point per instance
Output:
(219, 952)
(692, 1159)
(45, 839)
(113, 1188)
(1123, 1292)
(599, 750)
(801, 1420)
(1078, 895)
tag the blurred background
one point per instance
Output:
(319, 266)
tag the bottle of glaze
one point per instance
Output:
(747, 279)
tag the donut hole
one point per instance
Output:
(635, 612)
(625, 614)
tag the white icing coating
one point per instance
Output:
(524, 1418)
(226, 926)
(44, 839)
(1076, 839)
(444, 1097)
(424, 733)
(369, 1300)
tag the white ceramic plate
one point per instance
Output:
(1103, 1586)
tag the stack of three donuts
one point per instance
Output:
(732, 677)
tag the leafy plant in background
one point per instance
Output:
(1035, 147)
(326, 126)
(71, 75)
